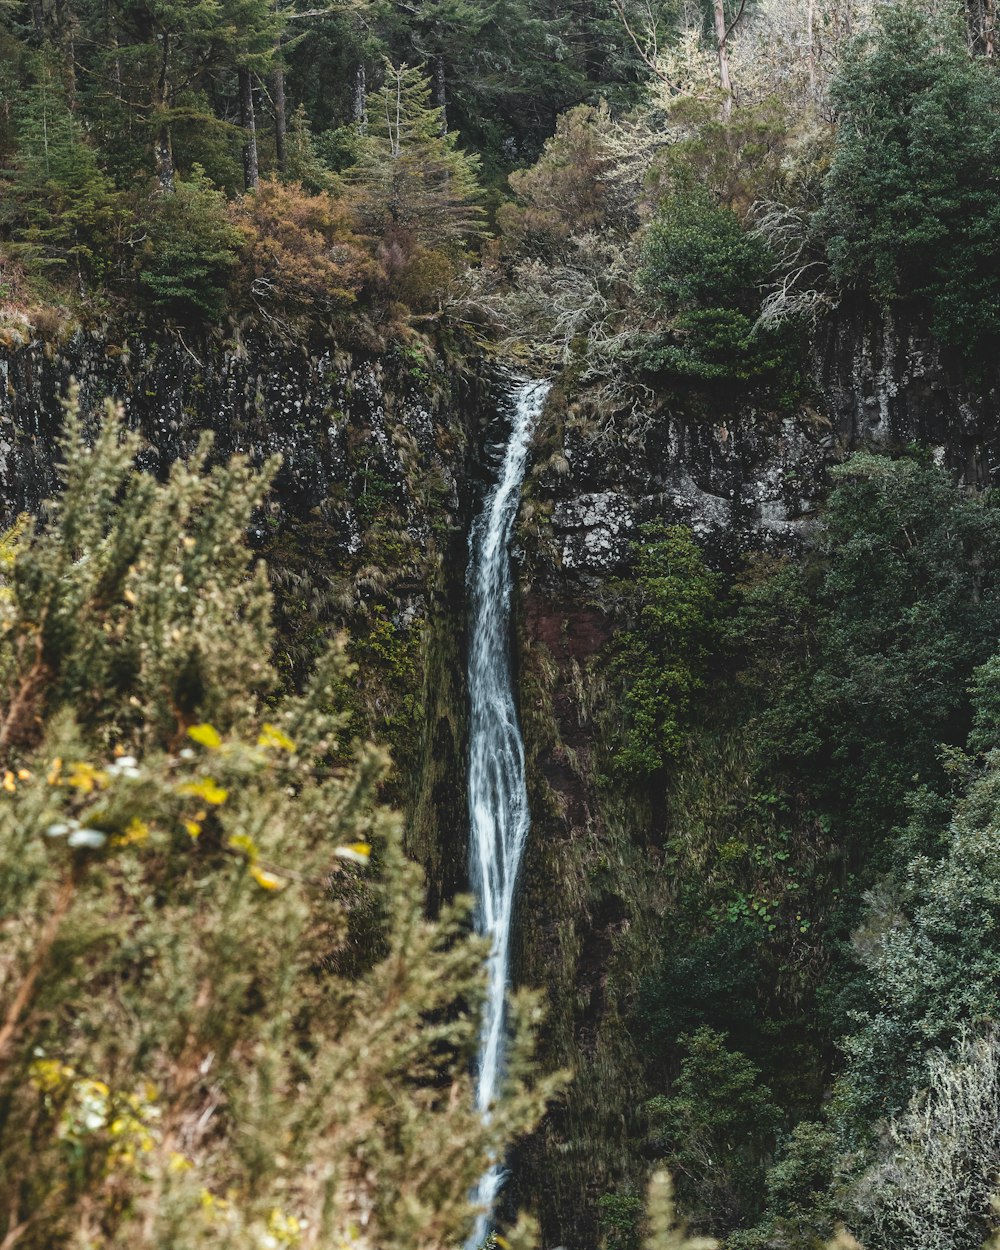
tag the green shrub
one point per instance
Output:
(620, 1221)
(563, 193)
(704, 273)
(863, 659)
(716, 1131)
(191, 250)
(738, 160)
(911, 206)
(661, 657)
(214, 1030)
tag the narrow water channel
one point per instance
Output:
(498, 797)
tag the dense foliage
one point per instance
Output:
(127, 128)
(845, 690)
(215, 1029)
(912, 202)
(703, 272)
(662, 658)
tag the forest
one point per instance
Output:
(755, 977)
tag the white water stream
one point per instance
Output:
(498, 797)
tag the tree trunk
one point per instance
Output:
(722, 40)
(440, 90)
(163, 144)
(280, 118)
(359, 102)
(280, 109)
(64, 20)
(251, 170)
(164, 159)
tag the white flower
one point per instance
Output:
(87, 837)
(125, 766)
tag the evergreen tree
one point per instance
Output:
(253, 30)
(911, 207)
(716, 1129)
(412, 183)
(190, 250)
(58, 206)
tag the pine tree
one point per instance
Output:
(58, 205)
(412, 182)
(190, 250)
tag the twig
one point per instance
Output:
(647, 60)
(45, 944)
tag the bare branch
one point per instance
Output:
(732, 25)
(648, 58)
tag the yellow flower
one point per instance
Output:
(357, 852)
(86, 778)
(242, 842)
(206, 735)
(49, 1074)
(210, 1202)
(8, 781)
(137, 831)
(207, 790)
(267, 880)
(285, 1229)
(272, 736)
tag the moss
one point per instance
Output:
(591, 895)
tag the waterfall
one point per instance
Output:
(498, 796)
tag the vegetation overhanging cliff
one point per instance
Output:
(758, 556)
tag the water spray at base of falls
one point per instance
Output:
(498, 796)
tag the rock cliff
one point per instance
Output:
(382, 458)
(365, 529)
(742, 479)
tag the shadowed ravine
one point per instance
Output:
(498, 798)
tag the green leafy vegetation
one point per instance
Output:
(190, 250)
(216, 1026)
(715, 1127)
(662, 658)
(225, 1018)
(910, 202)
(127, 129)
(844, 689)
(704, 272)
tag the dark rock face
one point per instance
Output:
(743, 479)
(355, 431)
(305, 402)
(749, 478)
(386, 446)
(885, 383)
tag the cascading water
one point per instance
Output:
(498, 796)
